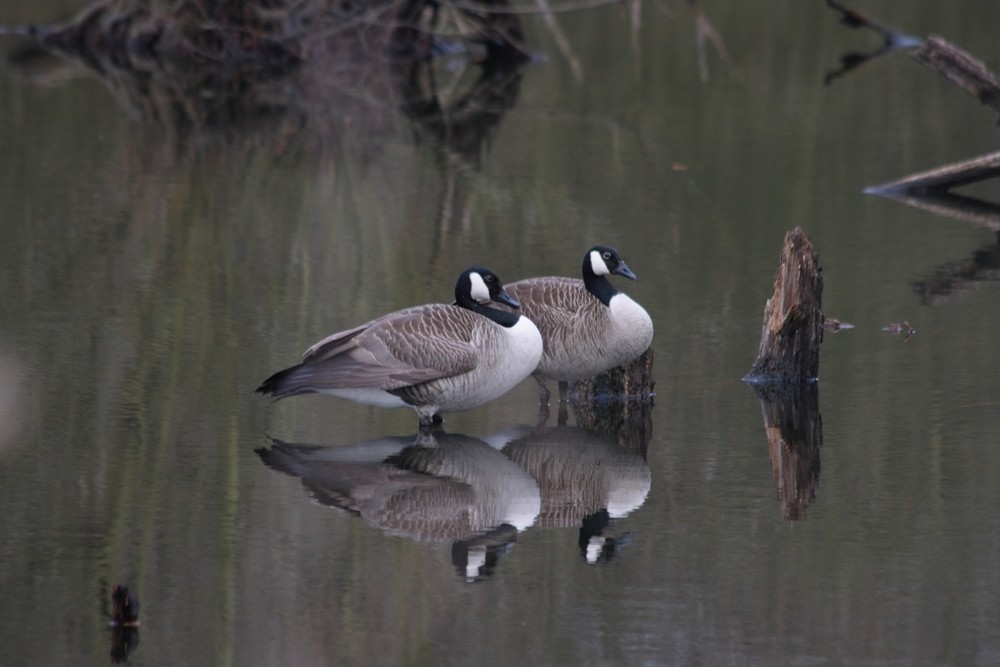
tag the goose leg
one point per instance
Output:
(543, 390)
(543, 414)
(563, 390)
(563, 414)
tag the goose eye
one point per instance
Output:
(606, 255)
(488, 278)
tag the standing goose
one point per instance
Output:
(587, 325)
(433, 358)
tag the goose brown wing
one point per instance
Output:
(554, 303)
(401, 349)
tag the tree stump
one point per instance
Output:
(618, 403)
(793, 318)
(783, 377)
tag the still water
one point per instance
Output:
(150, 282)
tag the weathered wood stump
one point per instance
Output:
(618, 403)
(793, 318)
(783, 377)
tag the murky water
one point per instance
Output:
(149, 283)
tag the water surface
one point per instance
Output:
(151, 282)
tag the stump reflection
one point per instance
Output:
(794, 436)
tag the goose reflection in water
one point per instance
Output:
(586, 479)
(435, 487)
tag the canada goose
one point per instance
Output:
(587, 325)
(434, 358)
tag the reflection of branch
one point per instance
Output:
(852, 18)
(560, 38)
(704, 30)
(893, 40)
(953, 279)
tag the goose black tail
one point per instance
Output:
(283, 384)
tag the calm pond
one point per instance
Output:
(151, 279)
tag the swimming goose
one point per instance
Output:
(433, 358)
(587, 325)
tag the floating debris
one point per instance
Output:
(903, 328)
(124, 607)
(834, 325)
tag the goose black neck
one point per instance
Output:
(501, 317)
(597, 285)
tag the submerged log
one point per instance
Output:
(793, 318)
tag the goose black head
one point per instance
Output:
(603, 260)
(478, 286)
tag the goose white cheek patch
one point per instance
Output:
(480, 292)
(597, 264)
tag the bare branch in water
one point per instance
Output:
(962, 69)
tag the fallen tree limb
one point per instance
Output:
(962, 69)
(930, 190)
(942, 179)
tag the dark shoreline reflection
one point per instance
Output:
(335, 78)
(794, 431)
(435, 487)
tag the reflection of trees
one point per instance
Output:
(309, 78)
(794, 436)
(459, 129)
(186, 66)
